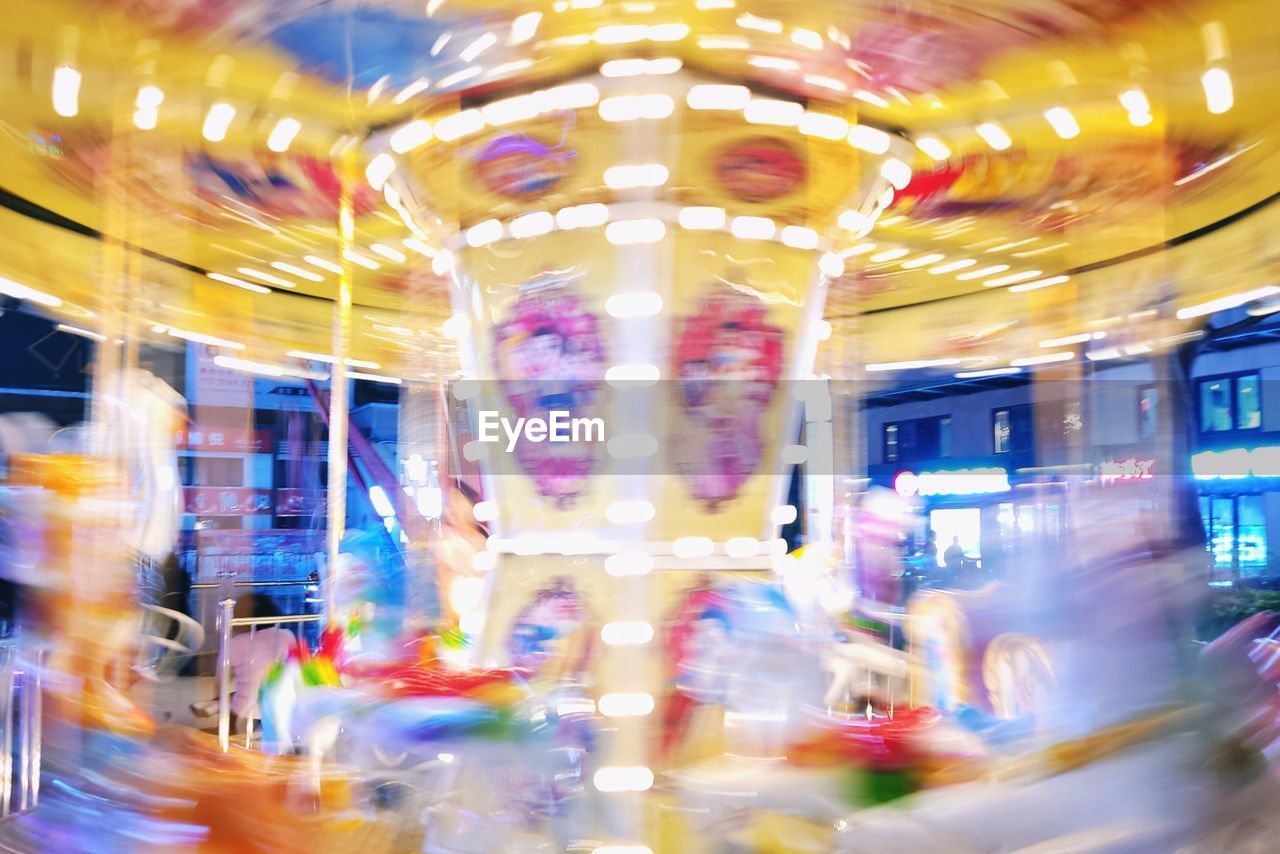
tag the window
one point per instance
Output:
(1003, 431)
(1236, 530)
(891, 443)
(944, 436)
(1248, 407)
(1148, 411)
(1230, 403)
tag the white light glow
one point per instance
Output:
(623, 779)
(702, 218)
(411, 136)
(293, 270)
(869, 139)
(1135, 101)
(889, 255)
(767, 111)
(217, 121)
(983, 272)
(933, 147)
(574, 96)
(626, 633)
(629, 563)
(806, 38)
(66, 91)
(643, 304)
(715, 96)
(799, 237)
(459, 125)
(626, 232)
(239, 283)
(952, 266)
(361, 260)
(1218, 94)
(762, 25)
(265, 277)
(582, 216)
(637, 67)
(784, 514)
(1227, 302)
(688, 547)
(857, 222)
(752, 227)
(633, 373)
(1042, 283)
(994, 135)
(824, 126)
(147, 107)
(777, 63)
(635, 175)
(477, 47)
(523, 28)
(249, 367)
(379, 170)
(329, 359)
(1012, 278)
(723, 43)
(990, 372)
(922, 260)
(484, 233)
(741, 547)
(625, 108)
(200, 338)
(282, 135)
(896, 173)
(1047, 358)
(1067, 340)
(417, 86)
(1064, 124)
(831, 265)
(532, 225)
(624, 705)
(388, 252)
(911, 365)
(322, 263)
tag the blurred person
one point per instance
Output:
(251, 655)
(953, 557)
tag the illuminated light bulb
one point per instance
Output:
(636, 175)
(379, 170)
(574, 96)
(1135, 101)
(885, 199)
(777, 63)
(532, 225)
(643, 304)
(1046, 359)
(322, 263)
(1218, 94)
(952, 266)
(626, 633)
(621, 705)
(477, 47)
(1064, 124)
(485, 561)
(922, 260)
(484, 233)
(628, 563)
(450, 80)
(620, 33)
(1067, 340)
(668, 32)
(933, 147)
(1012, 278)
(860, 249)
(716, 96)
(239, 283)
(420, 246)
(806, 38)
(282, 135)
(1140, 120)
(66, 91)
(455, 327)
(523, 28)
(485, 511)
(985, 271)
(443, 263)
(1227, 302)
(994, 135)
(990, 372)
(896, 173)
(582, 216)
(637, 67)
(740, 547)
(855, 221)
(702, 218)
(870, 98)
(825, 82)
(147, 107)
(910, 365)
(200, 338)
(623, 108)
(799, 237)
(784, 514)
(634, 373)
(687, 547)
(630, 512)
(824, 126)
(869, 139)
(465, 594)
(763, 25)
(417, 86)
(831, 265)
(459, 125)
(297, 271)
(626, 232)
(360, 260)
(265, 277)
(889, 255)
(328, 359)
(766, 111)
(388, 252)
(623, 779)
(217, 121)
(752, 227)
(715, 4)
(411, 136)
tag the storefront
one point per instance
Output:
(1239, 504)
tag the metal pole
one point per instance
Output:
(337, 486)
(225, 612)
(6, 734)
(36, 724)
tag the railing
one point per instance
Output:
(206, 600)
(226, 622)
(21, 710)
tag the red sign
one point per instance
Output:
(227, 500)
(235, 439)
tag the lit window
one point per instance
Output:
(891, 443)
(1003, 433)
(1248, 406)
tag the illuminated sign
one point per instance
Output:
(1122, 470)
(981, 481)
(1236, 463)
